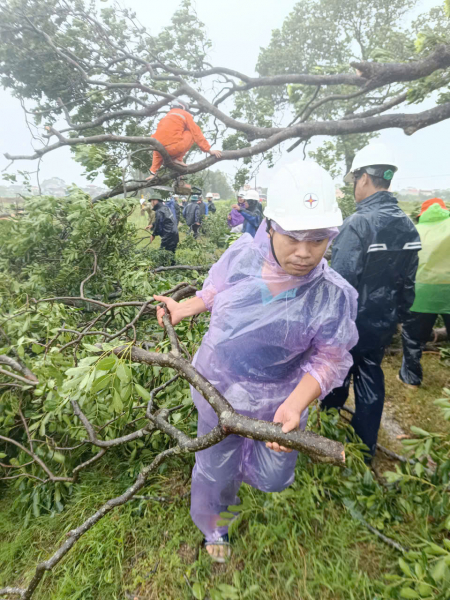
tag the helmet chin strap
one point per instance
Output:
(273, 249)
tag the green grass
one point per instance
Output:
(415, 407)
(299, 544)
(293, 544)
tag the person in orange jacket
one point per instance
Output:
(177, 131)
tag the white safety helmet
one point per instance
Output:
(180, 103)
(142, 200)
(209, 195)
(302, 196)
(370, 157)
(251, 195)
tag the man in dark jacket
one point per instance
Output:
(211, 206)
(203, 207)
(172, 203)
(164, 226)
(376, 252)
(192, 215)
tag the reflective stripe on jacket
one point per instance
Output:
(376, 251)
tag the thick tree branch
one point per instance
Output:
(20, 368)
(18, 377)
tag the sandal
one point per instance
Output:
(222, 541)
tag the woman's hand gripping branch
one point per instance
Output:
(290, 411)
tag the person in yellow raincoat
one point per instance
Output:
(432, 289)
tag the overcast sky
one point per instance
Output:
(238, 29)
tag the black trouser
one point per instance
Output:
(368, 385)
(416, 333)
(195, 230)
(170, 243)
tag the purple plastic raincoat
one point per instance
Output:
(268, 329)
(235, 218)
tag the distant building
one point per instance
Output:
(93, 190)
(54, 187)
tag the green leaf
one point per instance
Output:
(198, 591)
(101, 383)
(3, 455)
(404, 567)
(76, 371)
(88, 360)
(418, 431)
(58, 457)
(123, 373)
(37, 349)
(425, 589)
(106, 363)
(227, 515)
(125, 392)
(117, 402)
(393, 477)
(236, 507)
(434, 549)
(419, 469)
(408, 592)
(36, 508)
(143, 393)
(251, 590)
(228, 591)
(92, 348)
(439, 570)
(222, 523)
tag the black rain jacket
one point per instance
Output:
(376, 251)
(192, 213)
(165, 226)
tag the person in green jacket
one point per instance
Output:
(432, 289)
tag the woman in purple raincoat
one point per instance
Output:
(282, 325)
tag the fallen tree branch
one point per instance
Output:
(387, 540)
(229, 423)
(381, 448)
(19, 367)
(183, 268)
(18, 377)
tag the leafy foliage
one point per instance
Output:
(320, 36)
(324, 508)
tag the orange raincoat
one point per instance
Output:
(177, 131)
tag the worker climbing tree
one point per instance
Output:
(177, 132)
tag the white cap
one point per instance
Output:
(301, 196)
(142, 201)
(251, 195)
(370, 156)
(209, 195)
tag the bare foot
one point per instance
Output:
(180, 162)
(219, 553)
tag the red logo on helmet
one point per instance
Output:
(311, 200)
